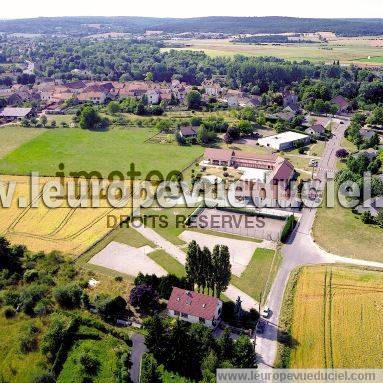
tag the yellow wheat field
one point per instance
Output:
(338, 318)
(69, 230)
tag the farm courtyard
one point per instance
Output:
(334, 315)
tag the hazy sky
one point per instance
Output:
(191, 8)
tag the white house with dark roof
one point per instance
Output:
(316, 130)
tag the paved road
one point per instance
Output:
(301, 250)
(138, 349)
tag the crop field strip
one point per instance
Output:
(344, 306)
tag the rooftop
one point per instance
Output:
(192, 303)
(284, 137)
(15, 112)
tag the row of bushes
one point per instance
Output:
(288, 228)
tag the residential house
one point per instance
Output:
(284, 116)
(194, 307)
(153, 96)
(316, 130)
(293, 108)
(233, 98)
(94, 97)
(366, 134)
(373, 205)
(212, 89)
(76, 86)
(285, 141)
(188, 132)
(370, 153)
(343, 105)
(289, 98)
(62, 97)
(18, 98)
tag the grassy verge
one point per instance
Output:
(338, 230)
(225, 235)
(259, 274)
(168, 263)
(285, 320)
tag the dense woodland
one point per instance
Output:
(80, 26)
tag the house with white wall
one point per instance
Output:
(194, 307)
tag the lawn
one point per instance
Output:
(338, 230)
(167, 262)
(373, 60)
(318, 149)
(259, 274)
(12, 136)
(334, 317)
(104, 152)
(14, 365)
(104, 350)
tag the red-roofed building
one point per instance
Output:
(194, 307)
(266, 177)
(342, 104)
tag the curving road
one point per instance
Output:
(300, 250)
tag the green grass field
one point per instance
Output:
(259, 274)
(82, 150)
(338, 230)
(167, 262)
(14, 365)
(373, 60)
(12, 136)
(333, 315)
(104, 350)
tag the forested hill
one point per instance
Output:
(230, 25)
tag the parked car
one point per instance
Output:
(265, 312)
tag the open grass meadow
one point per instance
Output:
(13, 135)
(339, 231)
(104, 349)
(104, 152)
(334, 315)
(14, 365)
(346, 50)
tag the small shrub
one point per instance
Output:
(89, 363)
(9, 312)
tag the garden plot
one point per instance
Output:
(127, 259)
